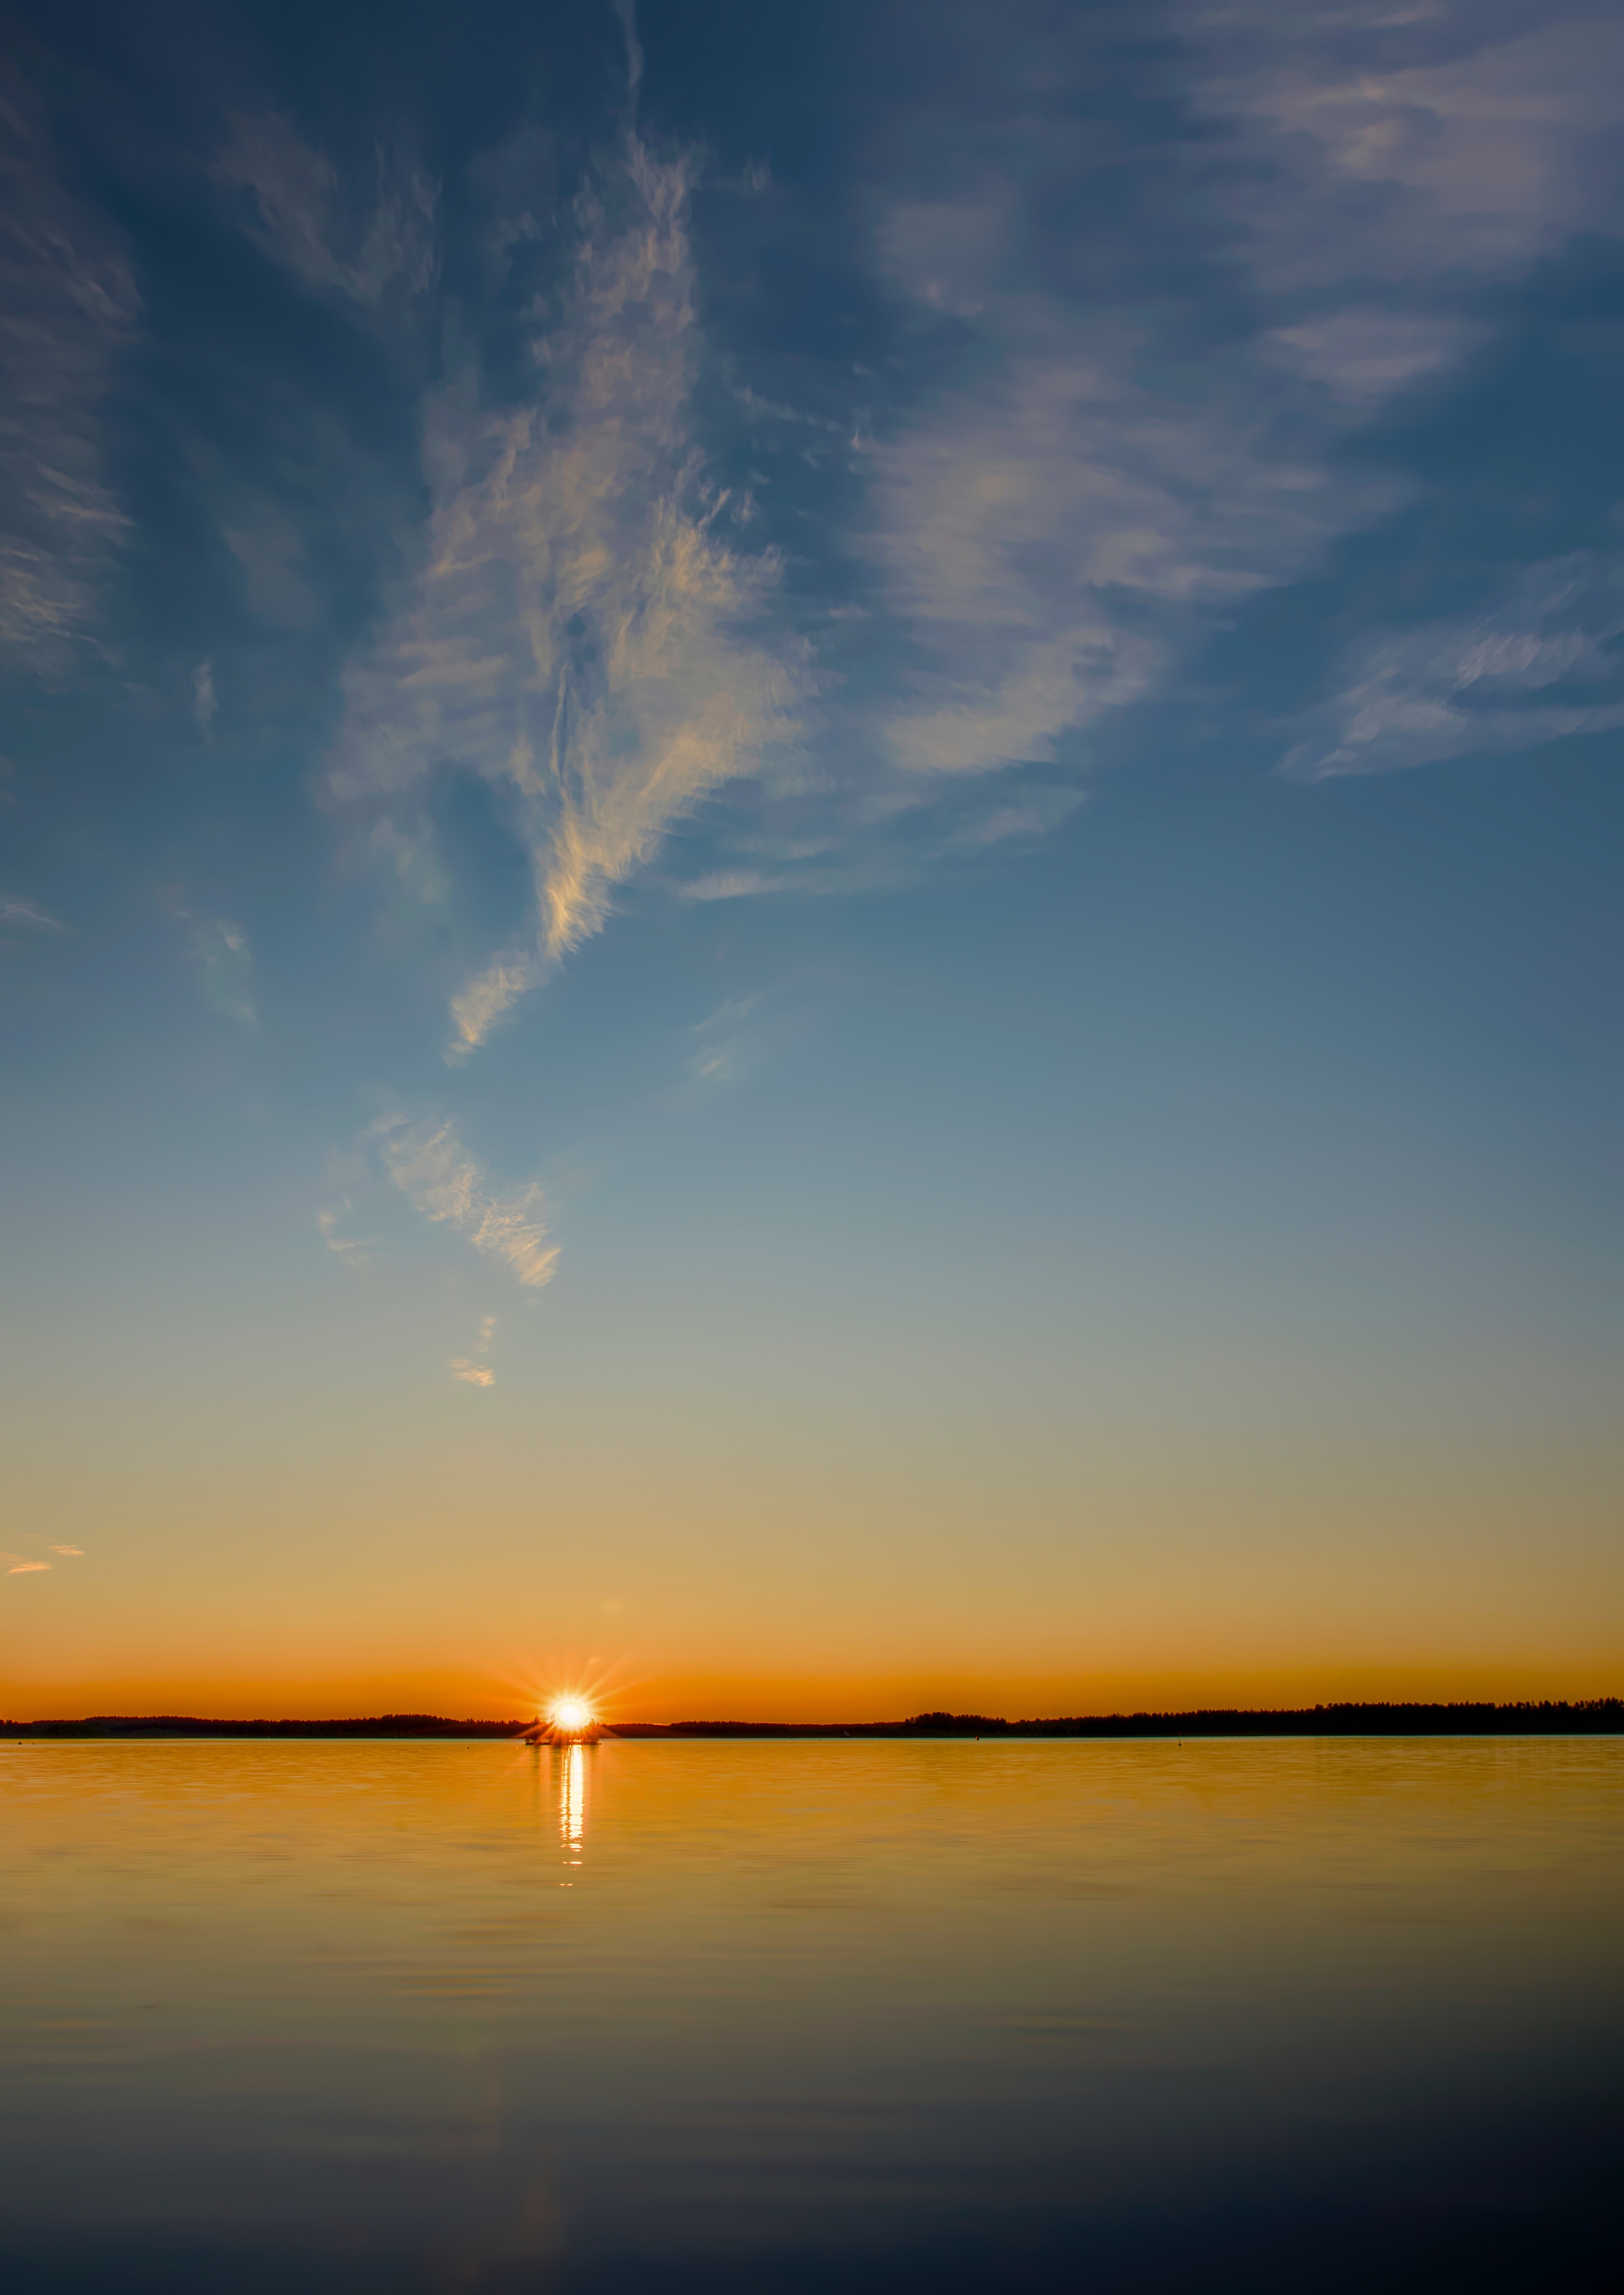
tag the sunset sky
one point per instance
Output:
(809, 854)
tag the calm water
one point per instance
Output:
(794, 2016)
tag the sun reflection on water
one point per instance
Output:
(571, 1801)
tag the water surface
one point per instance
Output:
(803, 2015)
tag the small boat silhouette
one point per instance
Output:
(554, 1733)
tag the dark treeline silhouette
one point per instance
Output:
(1548, 1716)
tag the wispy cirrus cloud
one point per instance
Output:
(18, 914)
(1537, 662)
(205, 701)
(69, 308)
(441, 1178)
(1102, 479)
(352, 1250)
(1089, 484)
(1054, 533)
(1364, 357)
(1034, 815)
(726, 1044)
(26, 1565)
(367, 236)
(223, 964)
(735, 885)
(1052, 537)
(473, 1369)
(579, 633)
(1398, 148)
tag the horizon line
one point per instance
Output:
(1385, 1716)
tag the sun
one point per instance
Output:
(571, 1714)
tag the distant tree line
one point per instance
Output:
(188, 1725)
(1546, 1717)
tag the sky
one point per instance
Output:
(808, 855)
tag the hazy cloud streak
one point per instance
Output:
(579, 633)
(439, 1176)
(1090, 495)
(1398, 150)
(20, 914)
(205, 702)
(1537, 664)
(68, 306)
(223, 964)
(351, 1249)
(472, 1369)
(364, 237)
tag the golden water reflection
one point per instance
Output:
(569, 1765)
(324, 2000)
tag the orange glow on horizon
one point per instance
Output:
(693, 1693)
(774, 1586)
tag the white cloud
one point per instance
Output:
(17, 1567)
(407, 848)
(1539, 663)
(1364, 356)
(439, 1176)
(627, 14)
(1405, 151)
(578, 632)
(20, 915)
(1099, 486)
(1054, 538)
(69, 306)
(223, 964)
(204, 702)
(67, 1549)
(1034, 817)
(732, 885)
(366, 239)
(471, 1370)
(726, 1045)
(351, 1249)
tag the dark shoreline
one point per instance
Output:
(1582, 1717)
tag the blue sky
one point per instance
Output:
(841, 786)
